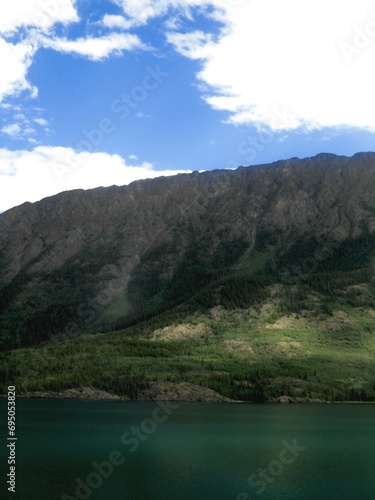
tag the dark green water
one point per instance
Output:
(199, 451)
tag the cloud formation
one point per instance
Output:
(111, 21)
(269, 61)
(25, 27)
(95, 49)
(314, 59)
(40, 14)
(194, 45)
(281, 66)
(13, 130)
(45, 171)
(16, 60)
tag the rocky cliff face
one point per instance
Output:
(105, 245)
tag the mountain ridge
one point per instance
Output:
(256, 284)
(104, 242)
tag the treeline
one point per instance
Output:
(326, 256)
(129, 367)
(30, 318)
(202, 279)
(123, 385)
(200, 283)
(233, 292)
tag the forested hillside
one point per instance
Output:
(256, 283)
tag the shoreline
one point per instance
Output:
(84, 395)
(168, 391)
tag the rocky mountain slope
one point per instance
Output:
(106, 258)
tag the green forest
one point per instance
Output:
(294, 320)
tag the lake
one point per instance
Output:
(111, 450)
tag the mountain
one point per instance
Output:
(287, 244)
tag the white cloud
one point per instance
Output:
(275, 57)
(19, 130)
(29, 131)
(13, 130)
(35, 16)
(141, 11)
(194, 45)
(59, 169)
(95, 48)
(41, 121)
(311, 60)
(32, 22)
(20, 125)
(110, 21)
(15, 61)
(42, 14)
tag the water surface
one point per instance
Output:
(196, 451)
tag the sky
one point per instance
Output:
(96, 93)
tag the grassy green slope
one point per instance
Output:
(242, 354)
(298, 322)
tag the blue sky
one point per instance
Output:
(97, 93)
